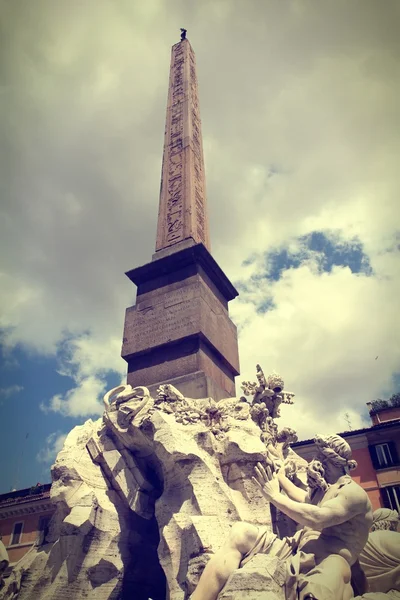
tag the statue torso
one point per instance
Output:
(346, 539)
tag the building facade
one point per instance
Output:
(24, 518)
(376, 450)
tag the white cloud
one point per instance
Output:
(81, 400)
(300, 118)
(53, 445)
(88, 360)
(323, 337)
(11, 390)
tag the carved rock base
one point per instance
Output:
(261, 579)
(97, 547)
(144, 497)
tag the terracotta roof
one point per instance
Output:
(345, 434)
(27, 495)
(376, 411)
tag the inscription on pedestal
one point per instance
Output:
(168, 317)
(157, 325)
(191, 309)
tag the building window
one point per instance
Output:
(391, 497)
(43, 529)
(383, 455)
(16, 534)
(385, 458)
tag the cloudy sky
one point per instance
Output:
(300, 110)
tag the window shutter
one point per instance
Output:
(374, 456)
(16, 534)
(385, 498)
(393, 452)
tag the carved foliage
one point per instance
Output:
(127, 406)
(268, 390)
(214, 415)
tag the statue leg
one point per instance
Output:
(241, 540)
(329, 580)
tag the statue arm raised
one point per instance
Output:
(340, 509)
(292, 490)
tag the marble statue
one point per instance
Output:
(380, 557)
(385, 519)
(144, 498)
(145, 494)
(268, 392)
(335, 517)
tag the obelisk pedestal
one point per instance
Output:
(179, 331)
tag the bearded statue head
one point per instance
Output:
(336, 450)
(315, 476)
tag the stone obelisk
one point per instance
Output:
(179, 331)
(182, 210)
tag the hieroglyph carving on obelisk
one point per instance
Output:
(182, 210)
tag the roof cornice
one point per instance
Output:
(26, 508)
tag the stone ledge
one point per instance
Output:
(260, 579)
(192, 255)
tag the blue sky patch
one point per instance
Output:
(326, 250)
(29, 380)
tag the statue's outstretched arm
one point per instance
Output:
(346, 505)
(292, 490)
(350, 501)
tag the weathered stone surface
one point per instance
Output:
(380, 558)
(182, 210)
(97, 547)
(180, 325)
(171, 471)
(179, 310)
(260, 579)
(186, 462)
(190, 447)
(198, 506)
